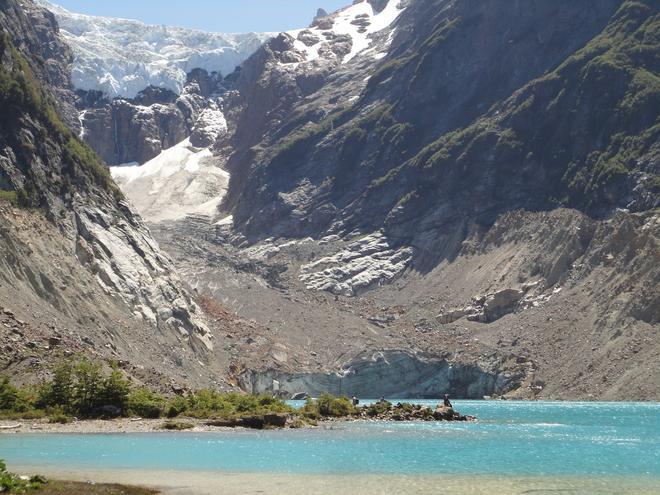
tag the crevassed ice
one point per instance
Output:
(121, 57)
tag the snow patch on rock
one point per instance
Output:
(368, 262)
(358, 22)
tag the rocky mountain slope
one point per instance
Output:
(121, 57)
(487, 213)
(79, 269)
(426, 196)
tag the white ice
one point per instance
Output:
(122, 57)
(179, 182)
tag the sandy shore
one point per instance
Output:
(128, 425)
(121, 425)
(214, 483)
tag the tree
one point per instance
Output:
(8, 394)
(115, 391)
(89, 382)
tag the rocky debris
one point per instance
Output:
(300, 396)
(385, 411)
(487, 308)
(368, 262)
(308, 38)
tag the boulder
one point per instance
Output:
(443, 413)
(501, 303)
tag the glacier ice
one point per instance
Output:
(121, 57)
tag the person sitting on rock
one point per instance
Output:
(446, 402)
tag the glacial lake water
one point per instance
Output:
(509, 439)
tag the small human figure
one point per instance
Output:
(355, 401)
(447, 402)
(382, 398)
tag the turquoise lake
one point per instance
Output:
(509, 439)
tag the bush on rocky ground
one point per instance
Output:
(327, 406)
(86, 389)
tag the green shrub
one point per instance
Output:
(9, 197)
(311, 409)
(177, 406)
(13, 484)
(378, 408)
(59, 392)
(145, 403)
(8, 394)
(59, 418)
(211, 404)
(334, 406)
(176, 425)
(115, 391)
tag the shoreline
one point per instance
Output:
(184, 482)
(103, 426)
(141, 425)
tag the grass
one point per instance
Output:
(75, 488)
(12, 483)
(176, 426)
(10, 197)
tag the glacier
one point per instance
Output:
(121, 57)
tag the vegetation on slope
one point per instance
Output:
(472, 116)
(573, 136)
(21, 98)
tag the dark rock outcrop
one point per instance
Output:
(258, 422)
(136, 130)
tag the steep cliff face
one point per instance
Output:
(440, 123)
(76, 260)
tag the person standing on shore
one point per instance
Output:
(447, 402)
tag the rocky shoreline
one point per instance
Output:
(375, 412)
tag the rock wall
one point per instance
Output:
(136, 130)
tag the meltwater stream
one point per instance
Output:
(509, 439)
